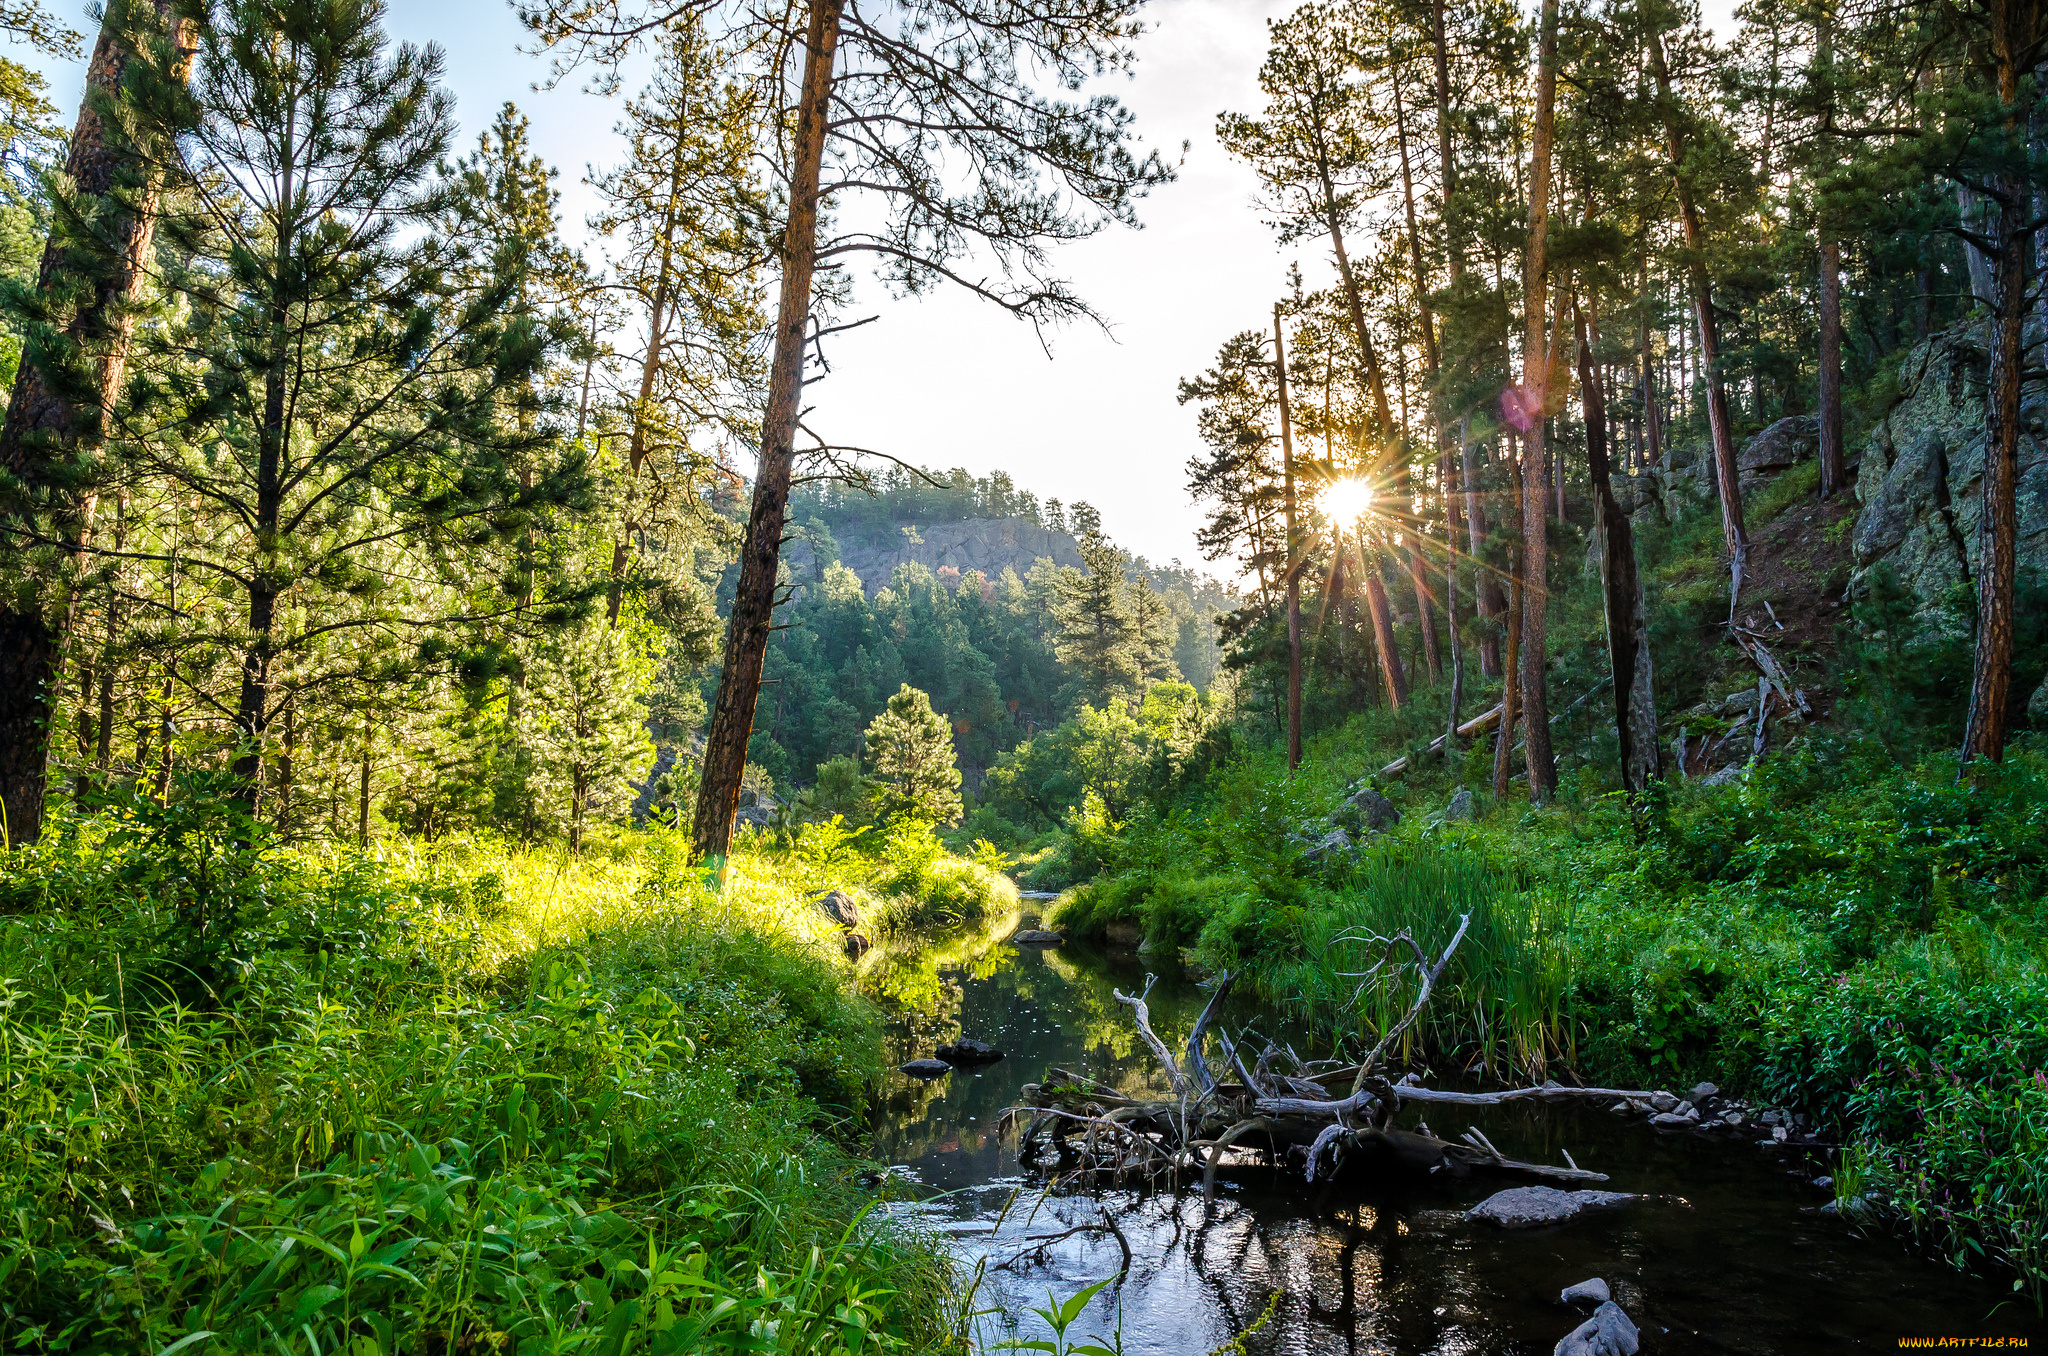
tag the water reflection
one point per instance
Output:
(1363, 1266)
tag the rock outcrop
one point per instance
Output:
(1921, 480)
(989, 545)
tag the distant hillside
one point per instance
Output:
(990, 545)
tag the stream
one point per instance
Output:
(1746, 1264)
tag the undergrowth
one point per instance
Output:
(1834, 933)
(431, 1099)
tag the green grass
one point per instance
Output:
(458, 1098)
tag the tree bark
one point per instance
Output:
(1621, 588)
(650, 368)
(1734, 535)
(1833, 475)
(753, 604)
(2014, 29)
(1537, 368)
(1293, 574)
(1432, 366)
(43, 430)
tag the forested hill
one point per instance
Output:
(1015, 615)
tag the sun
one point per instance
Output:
(1346, 501)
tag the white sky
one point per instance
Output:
(949, 381)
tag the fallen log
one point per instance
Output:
(1121, 1136)
(1480, 723)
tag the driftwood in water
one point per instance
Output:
(1093, 1130)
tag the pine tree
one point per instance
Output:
(912, 771)
(588, 737)
(351, 393)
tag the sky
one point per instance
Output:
(946, 380)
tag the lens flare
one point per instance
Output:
(1346, 501)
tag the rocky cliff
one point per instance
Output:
(989, 545)
(1921, 485)
(1918, 474)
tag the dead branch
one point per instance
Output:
(1224, 1141)
(1143, 1017)
(1429, 979)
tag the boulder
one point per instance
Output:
(1702, 1091)
(840, 907)
(1672, 1120)
(1330, 844)
(965, 1051)
(1459, 809)
(755, 816)
(1532, 1207)
(2037, 705)
(1037, 937)
(1663, 1101)
(1783, 444)
(1586, 1293)
(1607, 1333)
(1726, 776)
(927, 1068)
(1377, 812)
(856, 945)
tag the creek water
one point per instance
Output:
(1747, 1263)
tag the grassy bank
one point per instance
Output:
(1836, 934)
(447, 1098)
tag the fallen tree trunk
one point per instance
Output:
(1092, 1130)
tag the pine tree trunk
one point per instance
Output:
(1833, 475)
(1511, 679)
(1537, 370)
(1621, 589)
(650, 368)
(252, 712)
(1293, 573)
(32, 641)
(753, 604)
(363, 795)
(2014, 29)
(1487, 595)
(1392, 676)
(1734, 535)
(1354, 301)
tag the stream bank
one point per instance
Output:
(1748, 1263)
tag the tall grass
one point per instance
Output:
(1499, 1008)
(434, 1100)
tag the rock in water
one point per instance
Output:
(856, 945)
(1460, 807)
(840, 907)
(1375, 809)
(1038, 937)
(966, 1051)
(1607, 1333)
(1532, 1207)
(927, 1068)
(1663, 1101)
(1586, 1292)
